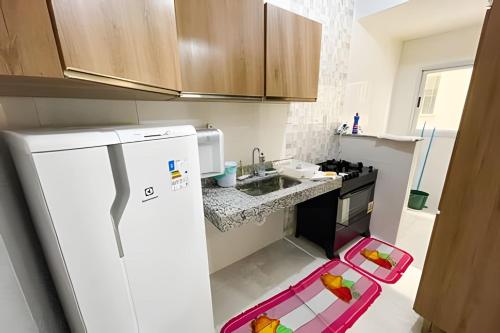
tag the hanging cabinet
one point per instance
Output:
(156, 49)
(293, 47)
(221, 46)
(116, 49)
(27, 44)
(128, 40)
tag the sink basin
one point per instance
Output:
(267, 185)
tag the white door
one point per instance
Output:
(162, 235)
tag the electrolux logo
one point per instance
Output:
(149, 194)
(149, 191)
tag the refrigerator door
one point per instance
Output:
(161, 232)
(79, 191)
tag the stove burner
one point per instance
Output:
(350, 170)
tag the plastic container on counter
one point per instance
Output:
(297, 169)
(228, 178)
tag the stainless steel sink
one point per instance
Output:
(267, 185)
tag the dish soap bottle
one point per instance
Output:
(356, 124)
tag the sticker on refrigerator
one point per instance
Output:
(178, 174)
(171, 165)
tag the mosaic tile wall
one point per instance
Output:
(309, 133)
(310, 126)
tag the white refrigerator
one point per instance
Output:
(120, 217)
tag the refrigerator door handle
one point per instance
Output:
(122, 188)
(117, 236)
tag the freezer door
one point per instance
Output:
(79, 192)
(162, 234)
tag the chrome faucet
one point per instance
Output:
(261, 160)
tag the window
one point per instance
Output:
(430, 93)
(442, 98)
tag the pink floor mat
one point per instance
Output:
(378, 259)
(329, 300)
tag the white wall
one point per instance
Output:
(245, 125)
(231, 246)
(370, 7)
(394, 160)
(436, 167)
(32, 297)
(15, 311)
(373, 63)
(448, 49)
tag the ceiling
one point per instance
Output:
(419, 18)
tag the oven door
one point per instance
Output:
(355, 205)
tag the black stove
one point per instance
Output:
(348, 169)
(354, 175)
(335, 218)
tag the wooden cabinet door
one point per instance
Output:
(27, 44)
(459, 290)
(133, 40)
(293, 46)
(221, 46)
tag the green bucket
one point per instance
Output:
(417, 199)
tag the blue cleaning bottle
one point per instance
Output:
(356, 124)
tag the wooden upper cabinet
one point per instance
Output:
(130, 40)
(27, 44)
(221, 46)
(293, 47)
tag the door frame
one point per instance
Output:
(424, 71)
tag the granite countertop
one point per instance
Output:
(228, 208)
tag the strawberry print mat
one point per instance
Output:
(378, 259)
(329, 300)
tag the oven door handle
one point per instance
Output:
(362, 189)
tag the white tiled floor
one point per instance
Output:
(281, 264)
(414, 234)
